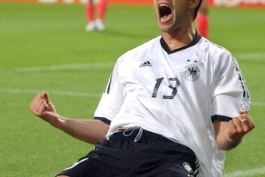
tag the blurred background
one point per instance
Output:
(45, 47)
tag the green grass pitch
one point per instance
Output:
(45, 47)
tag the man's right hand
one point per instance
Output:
(42, 107)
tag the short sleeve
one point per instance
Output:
(111, 100)
(230, 91)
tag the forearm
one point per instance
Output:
(90, 131)
(225, 143)
(229, 134)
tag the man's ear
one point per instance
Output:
(194, 3)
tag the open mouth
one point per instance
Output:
(164, 11)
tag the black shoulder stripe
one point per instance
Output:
(221, 118)
(109, 84)
(103, 119)
(242, 80)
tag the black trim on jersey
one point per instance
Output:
(109, 84)
(242, 81)
(221, 118)
(194, 42)
(103, 119)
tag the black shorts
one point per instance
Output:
(136, 152)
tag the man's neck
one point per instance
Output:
(179, 39)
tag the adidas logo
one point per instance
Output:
(147, 63)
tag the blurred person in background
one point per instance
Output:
(93, 22)
(203, 19)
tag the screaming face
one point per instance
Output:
(165, 12)
(173, 15)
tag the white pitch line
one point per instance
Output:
(258, 104)
(249, 56)
(244, 56)
(98, 65)
(61, 67)
(64, 93)
(76, 94)
(247, 173)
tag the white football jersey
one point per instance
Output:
(177, 94)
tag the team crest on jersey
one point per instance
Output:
(245, 106)
(191, 72)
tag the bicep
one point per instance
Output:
(220, 126)
(221, 134)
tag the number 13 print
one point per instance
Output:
(174, 88)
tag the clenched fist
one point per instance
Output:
(42, 107)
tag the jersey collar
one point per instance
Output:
(165, 47)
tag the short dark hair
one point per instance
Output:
(197, 9)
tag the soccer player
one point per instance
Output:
(171, 107)
(203, 19)
(93, 23)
